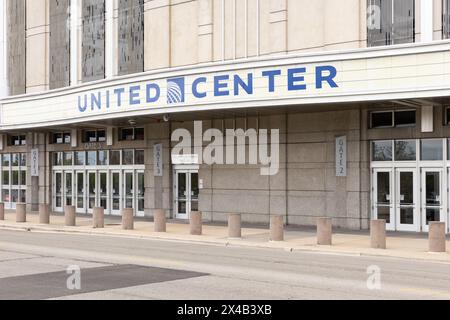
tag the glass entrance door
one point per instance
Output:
(103, 189)
(58, 191)
(80, 194)
(92, 191)
(186, 193)
(128, 178)
(140, 193)
(406, 198)
(383, 198)
(432, 205)
(68, 188)
(116, 193)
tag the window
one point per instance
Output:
(130, 134)
(94, 136)
(57, 159)
(139, 157)
(15, 159)
(115, 158)
(405, 150)
(128, 157)
(23, 159)
(68, 158)
(382, 151)
(93, 40)
(6, 159)
(18, 140)
(61, 138)
(103, 158)
(446, 19)
(391, 119)
(91, 158)
(131, 36)
(431, 150)
(80, 158)
(390, 22)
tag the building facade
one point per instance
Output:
(97, 94)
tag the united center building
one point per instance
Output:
(357, 91)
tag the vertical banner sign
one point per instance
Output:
(34, 163)
(158, 160)
(341, 156)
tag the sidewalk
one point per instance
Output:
(408, 246)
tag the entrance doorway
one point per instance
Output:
(186, 193)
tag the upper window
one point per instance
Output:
(382, 151)
(94, 136)
(129, 134)
(61, 138)
(17, 140)
(390, 119)
(131, 36)
(446, 19)
(93, 41)
(390, 22)
(431, 150)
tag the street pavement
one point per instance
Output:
(35, 265)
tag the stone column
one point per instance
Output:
(437, 237)
(21, 212)
(2, 211)
(160, 220)
(70, 216)
(277, 228)
(127, 219)
(44, 214)
(234, 226)
(196, 223)
(98, 218)
(324, 231)
(378, 234)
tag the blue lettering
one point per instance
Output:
(118, 92)
(238, 82)
(134, 95)
(107, 99)
(96, 101)
(219, 84)
(293, 78)
(331, 73)
(80, 107)
(271, 75)
(150, 87)
(195, 91)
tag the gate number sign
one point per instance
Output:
(35, 163)
(341, 156)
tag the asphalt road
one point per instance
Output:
(35, 266)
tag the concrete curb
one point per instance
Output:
(238, 243)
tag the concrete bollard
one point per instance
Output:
(324, 231)
(277, 228)
(159, 217)
(378, 234)
(127, 219)
(70, 216)
(196, 223)
(98, 218)
(21, 212)
(2, 211)
(44, 214)
(436, 236)
(234, 226)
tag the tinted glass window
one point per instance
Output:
(405, 118)
(381, 119)
(405, 150)
(139, 155)
(115, 157)
(431, 150)
(382, 151)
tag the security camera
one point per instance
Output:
(166, 118)
(132, 122)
